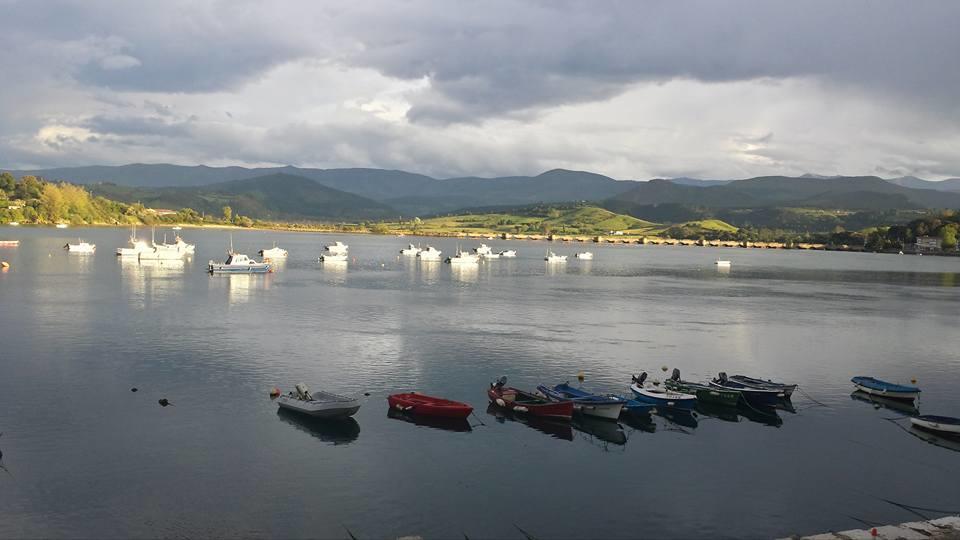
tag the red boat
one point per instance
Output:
(525, 402)
(415, 403)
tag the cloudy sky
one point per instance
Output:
(634, 89)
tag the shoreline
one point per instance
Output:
(596, 239)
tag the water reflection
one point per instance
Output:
(554, 428)
(555, 268)
(943, 441)
(464, 273)
(761, 415)
(721, 269)
(602, 430)
(335, 271)
(240, 287)
(880, 402)
(149, 280)
(641, 422)
(335, 431)
(680, 417)
(430, 271)
(585, 266)
(446, 424)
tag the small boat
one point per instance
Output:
(410, 251)
(177, 228)
(943, 424)
(463, 257)
(421, 404)
(337, 248)
(753, 396)
(722, 263)
(180, 246)
(584, 256)
(62, 225)
(490, 255)
(704, 393)
(429, 253)
(9, 243)
(885, 389)
(482, 250)
(166, 252)
(319, 404)
(237, 263)
(273, 253)
(552, 257)
(508, 254)
(525, 402)
(137, 246)
(751, 382)
(333, 257)
(661, 397)
(14, 224)
(608, 407)
(80, 247)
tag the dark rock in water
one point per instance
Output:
(163, 402)
(366, 393)
(134, 389)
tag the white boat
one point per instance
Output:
(62, 225)
(319, 404)
(237, 263)
(429, 253)
(137, 246)
(663, 397)
(722, 263)
(584, 256)
(333, 257)
(177, 228)
(80, 247)
(273, 253)
(490, 256)
(410, 251)
(14, 223)
(463, 257)
(554, 258)
(179, 245)
(943, 424)
(508, 254)
(482, 250)
(337, 248)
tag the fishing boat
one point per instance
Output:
(62, 225)
(9, 243)
(319, 404)
(333, 257)
(165, 252)
(410, 251)
(490, 255)
(525, 402)
(704, 393)
(508, 254)
(337, 248)
(137, 246)
(429, 253)
(886, 389)
(552, 257)
(80, 247)
(661, 397)
(608, 407)
(722, 264)
(753, 396)
(273, 253)
(584, 256)
(752, 382)
(237, 263)
(483, 249)
(943, 424)
(420, 404)
(463, 257)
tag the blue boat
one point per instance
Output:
(753, 396)
(661, 397)
(588, 403)
(886, 389)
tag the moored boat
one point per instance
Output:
(318, 404)
(704, 393)
(508, 254)
(600, 406)
(722, 263)
(463, 257)
(137, 246)
(552, 257)
(525, 402)
(584, 256)
(337, 248)
(333, 257)
(753, 396)
(9, 243)
(482, 250)
(410, 251)
(752, 382)
(80, 247)
(237, 263)
(415, 403)
(943, 424)
(885, 389)
(62, 225)
(274, 253)
(429, 253)
(661, 397)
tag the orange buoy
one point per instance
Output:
(274, 392)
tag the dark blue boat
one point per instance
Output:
(753, 396)
(588, 403)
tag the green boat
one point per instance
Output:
(703, 392)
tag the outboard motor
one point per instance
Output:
(501, 382)
(722, 377)
(303, 392)
(676, 374)
(639, 379)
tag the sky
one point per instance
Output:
(634, 90)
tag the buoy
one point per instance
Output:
(274, 392)
(663, 368)
(134, 389)
(501, 403)
(873, 532)
(164, 402)
(581, 376)
(913, 380)
(366, 393)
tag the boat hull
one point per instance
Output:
(786, 389)
(606, 407)
(877, 387)
(420, 404)
(667, 399)
(753, 396)
(941, 424)
(245, 269)
(317, 409)
(507, 398)
(705, 394)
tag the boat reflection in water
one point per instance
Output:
(899, 405)
(937, 439)
(640, 422)
(464, 273)
(553, 428)
(335, 431)
(604, 430)
(435, 422)
(679, 417)
(334, 271)
(761, 415)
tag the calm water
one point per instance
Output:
(87, 457)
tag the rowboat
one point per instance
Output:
(661, 397)
(754, 396)
(414, 403)
(943, 424)
(607, 407)
(525, 402)
(885, 389)
(704, 393)
(319, 404)
(751, 382)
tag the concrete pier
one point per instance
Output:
(947, 528)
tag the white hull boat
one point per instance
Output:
(722, 264)
(319, 404)
(81, 247)
(509, 254)
(273, 253)
(333, 257)
(138, 247)
(584, 256)
(490, 256)
(607, 411)
(429, 254)
(62, 225)
(238, 263)
(14, 224)
(554, 258)
(410, 251)
(463, 257)
(483, 250)
(179, 245)
(943, 424)
(337, 248)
